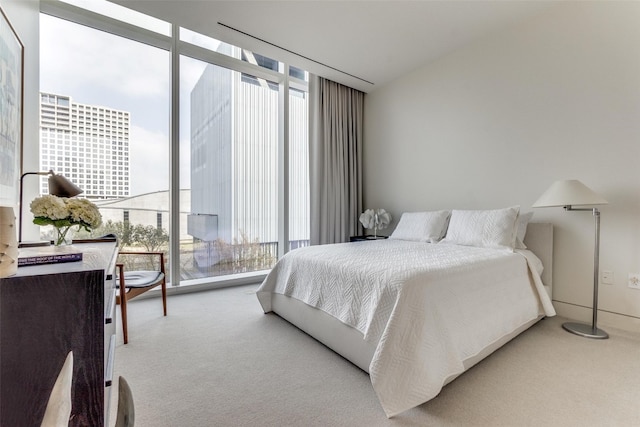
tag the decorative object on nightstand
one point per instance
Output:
(58, 186)
(8, 242)
(378, 219)
(64, 214)
(570, 193)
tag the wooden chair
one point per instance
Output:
(134, 283)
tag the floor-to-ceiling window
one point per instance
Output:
(106, 124)
(104, 103)
(230, 135)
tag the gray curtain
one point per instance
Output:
(335, 160)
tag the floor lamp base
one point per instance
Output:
(584, 330)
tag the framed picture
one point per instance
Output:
(11, 93)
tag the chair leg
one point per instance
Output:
(122, 299)
(123, 311)
(164, 296)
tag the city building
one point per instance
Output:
(234, 160)
(88, 144)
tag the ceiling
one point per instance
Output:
(363, 44)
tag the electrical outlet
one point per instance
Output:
(607, 277)
(634, 280)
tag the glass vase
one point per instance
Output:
(63, 236)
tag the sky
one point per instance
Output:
(94, 67)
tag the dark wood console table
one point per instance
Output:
(47, 311)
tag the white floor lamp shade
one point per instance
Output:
(570, 193)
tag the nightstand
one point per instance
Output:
(365, 238)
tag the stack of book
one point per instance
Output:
(48, 255)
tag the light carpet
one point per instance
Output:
(218, 360)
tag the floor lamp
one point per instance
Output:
(58, 186)
(567, 194)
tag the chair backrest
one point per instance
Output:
(126, 412)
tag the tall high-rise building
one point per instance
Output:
(88, 144)
(234, 158)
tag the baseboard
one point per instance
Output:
(605, 318)
(207, 284)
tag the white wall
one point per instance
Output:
(495, 123)
(24, 17)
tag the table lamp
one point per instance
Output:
(568, 193)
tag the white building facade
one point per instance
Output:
(234, 160)
(88, 144)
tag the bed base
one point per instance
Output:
(349, 342)
(339, 337)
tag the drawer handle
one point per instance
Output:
(111, 307)
(112, 353)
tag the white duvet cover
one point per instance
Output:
(429, 307)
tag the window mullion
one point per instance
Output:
(174, 163)
(283, 165)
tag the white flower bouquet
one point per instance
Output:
(65, 213)
(377, 219)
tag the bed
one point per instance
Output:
(414, 314)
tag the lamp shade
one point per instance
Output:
(62, 187)
(569, 193)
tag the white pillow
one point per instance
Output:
(421, 226)
(521, 231)
(483, 228)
